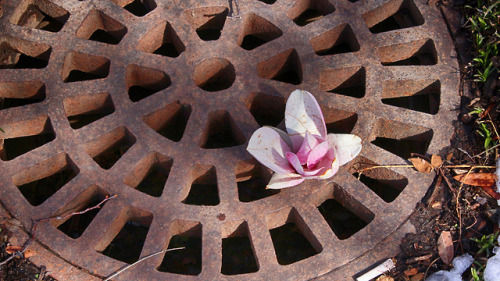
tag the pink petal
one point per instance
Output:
(283, 135)
(307, 146)
(267, 146)
(317, 154)
(330, 166)
(279, 181)
(294, 161)
(347, 146)
(303, 114)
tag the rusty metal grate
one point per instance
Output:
(155, 100)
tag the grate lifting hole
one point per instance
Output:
(40, 14)
(138, 8)
(214, 74)
(76, 225)
(185, 234)
(14, 94)
(339, 121)
(292, 239)
(284, 67)
(221, 131)
(420, 52)
(402, 139)
(269, 2)
(18, 54)
(98, 26)
(107, 149)
(25, 136)
(39, 182)
(304, 12)
(344, 214)
(238, 254)
(82, 110)
(204, 188)
(386, 183)
(161, 40)
(266, 109)
(395, 14)
(340, 39)
(170, 121)
(256, 32)
(207, 21)
(418, 95)
(143, 82)
(150, 174)
(82, 67)
(350, 81)
(252, 179)
(126, 236)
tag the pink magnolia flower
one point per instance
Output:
(307, 151)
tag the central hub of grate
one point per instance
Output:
(155, 101)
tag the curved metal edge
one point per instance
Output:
(56, 267)
(384, 250)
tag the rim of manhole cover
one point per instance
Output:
(155, 101)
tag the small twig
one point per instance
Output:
(411, 166)
(434, 193)
(470, 167)
(417, 259)
(448, 183)
(459, 211)
(487, 150)
(36, 222)
(141, 260)
(427, 270)
(8, 259)
(465, 152)
(383, 166)
(41, 275)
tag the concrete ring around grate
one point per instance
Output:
(155, 101)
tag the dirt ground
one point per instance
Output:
(473, 216)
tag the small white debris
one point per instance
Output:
(492, 270)
(460, 264)
(379, 270)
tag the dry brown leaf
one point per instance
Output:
(449, 156)
(477, 179)
(29, 253)
(491, 192)
(13, 249)
(421, 165)
(436, 161)
(445, 247)
(411, 272)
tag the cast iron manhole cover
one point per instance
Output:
(156, 100)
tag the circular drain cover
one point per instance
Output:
(155, 101)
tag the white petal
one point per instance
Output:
(267, 146)
(279, 181)
(303, 114)
(347, 146)
(283, 135)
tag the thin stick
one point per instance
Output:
(446, 180)
(459, 211)
(427, 270)
(487, 150)
(36, 222)
(470, 166)
(141, 260)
